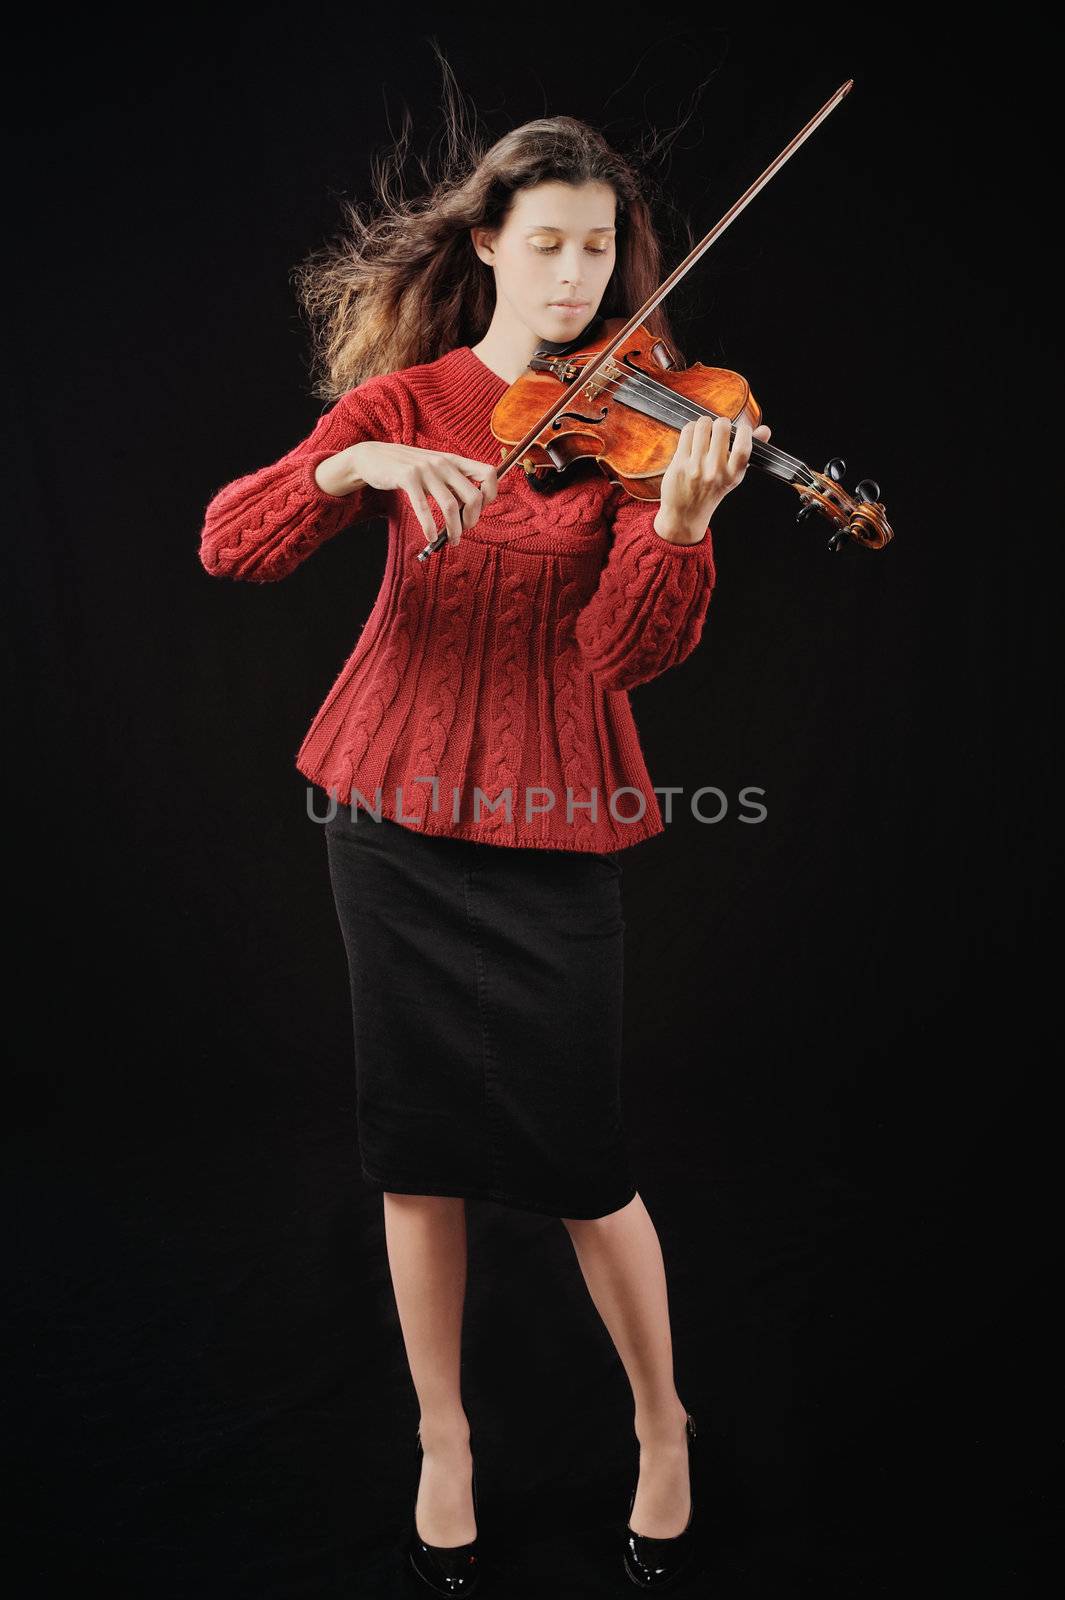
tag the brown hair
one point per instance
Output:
(406, 285)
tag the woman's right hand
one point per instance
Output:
(421, 473)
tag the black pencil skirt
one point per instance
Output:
(486, 990)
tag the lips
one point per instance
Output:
(570, 305)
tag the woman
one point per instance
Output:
(482, 756)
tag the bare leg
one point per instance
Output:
(426, 1240)
(621, 1259)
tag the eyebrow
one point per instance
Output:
(549, 227)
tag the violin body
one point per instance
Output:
(632, 445)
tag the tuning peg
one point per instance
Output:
(807, 509)
(835, 469)
(868, 489)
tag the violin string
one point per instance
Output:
(682, 406)
(676, 406)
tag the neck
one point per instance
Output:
(507, 347)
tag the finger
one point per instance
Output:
(422, 509)
(447, 500)
(702, 445)
(685, 440)
(740, 453)
(470, 494)
(483, 471)
(714, 455)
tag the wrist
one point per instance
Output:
(675, 530)
(337, 474)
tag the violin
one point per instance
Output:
(627, 417)
(618, 394)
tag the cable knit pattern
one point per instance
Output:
(572, 736)
(511, 668)
(443, 684)
(358, 726)
(503, 665)
(262, 526)
(647, 614)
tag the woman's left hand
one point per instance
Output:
(702, 472)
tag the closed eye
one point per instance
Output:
(549, 250)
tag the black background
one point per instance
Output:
(839, 1023)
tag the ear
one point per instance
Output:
(483, 240)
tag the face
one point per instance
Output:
(557, 244)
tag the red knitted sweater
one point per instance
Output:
(487, 695)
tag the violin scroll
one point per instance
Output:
(861, 517)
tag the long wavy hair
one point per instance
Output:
(404, 284)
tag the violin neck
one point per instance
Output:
(769, 457)
(778, 464)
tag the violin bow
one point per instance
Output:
(589, 370)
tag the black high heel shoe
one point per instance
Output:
(658, 1563)
(451, 1569)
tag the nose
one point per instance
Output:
(572, 264)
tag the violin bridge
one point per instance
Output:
(565, 371)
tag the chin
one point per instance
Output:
(558, 328)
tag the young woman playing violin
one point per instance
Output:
(485, 950)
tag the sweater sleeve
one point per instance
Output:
(647, 612)
(261, 526)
